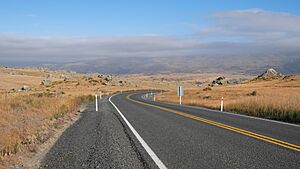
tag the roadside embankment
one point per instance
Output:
(26, 119)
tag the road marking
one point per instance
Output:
(224, 126)
(235, 114)
(154, 157)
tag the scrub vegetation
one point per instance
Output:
(277, 99)
(33, 102)
(23, 116)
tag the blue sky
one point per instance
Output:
(122, 17)
(93, 29)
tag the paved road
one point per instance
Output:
(97, 140)
(180, 137)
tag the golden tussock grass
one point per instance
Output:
(284, 108)
(276, 99)
(22, 114)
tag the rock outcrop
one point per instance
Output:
(219, 81)
(45, 82)
(270, 74)
(223, 81)
(23, 88)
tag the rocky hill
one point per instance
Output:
(270, 74)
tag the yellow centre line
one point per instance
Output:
(224, 126)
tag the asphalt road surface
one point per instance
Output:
(131, 132)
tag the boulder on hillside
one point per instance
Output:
(62, 76)
(220, 78)
(23, 88)
(270, 74)
(66, 79)
(289, 77)
(45, 82)
(49, 76)
(100, 75)
(108, 78)
(218, 81)
(122, 82)
(87, 78)
(26, 88)
(198, 83)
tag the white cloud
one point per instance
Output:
(234, 32)
(257, 25)
(74, 48)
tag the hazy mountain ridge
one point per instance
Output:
(206, 63)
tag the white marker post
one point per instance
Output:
(154, 97)
(180, 93)
(100, 95)
(222, 103)
(180, 100)
(96, 102)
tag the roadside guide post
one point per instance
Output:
(96, 101)
(222, 103)
(180, 93)
(96, 98)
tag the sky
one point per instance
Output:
(69, 30)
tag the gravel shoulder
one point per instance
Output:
(97, 140)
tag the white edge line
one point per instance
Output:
(235, 114)
(154, 157)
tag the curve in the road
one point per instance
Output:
(154, 157)
(224, 126)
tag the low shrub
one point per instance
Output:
(253, 93)
(208, 88)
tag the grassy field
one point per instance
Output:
(25, 115)
(274, 99)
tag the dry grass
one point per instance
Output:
(277, 107)
(23, 114)
(11, 81)
(276, 99)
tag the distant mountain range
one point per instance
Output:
(206, 63)
(248, 64)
